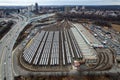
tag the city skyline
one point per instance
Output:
(60, 2)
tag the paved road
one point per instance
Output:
(6, 48)
(7, 43)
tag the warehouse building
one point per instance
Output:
(89, 38)
(88, 52)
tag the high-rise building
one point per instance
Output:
(83, 7)
(67, 9)
(36, 7)
(1, 13)
(31, 8)
(76, 7)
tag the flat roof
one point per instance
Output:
(84, 47)
(89, 38)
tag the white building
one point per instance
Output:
(83, 7)
(31, 8)
(89, 54)
(88, 37)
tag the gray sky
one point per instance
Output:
(60, 2)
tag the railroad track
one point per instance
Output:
(103, 62)
(51, 50)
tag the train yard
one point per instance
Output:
(52, 48)
(55, 49)
(59, 44)
(105, 60)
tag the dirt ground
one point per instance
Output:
(64, 78)
(116, 27)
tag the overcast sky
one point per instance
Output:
(60, 2)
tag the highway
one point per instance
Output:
(7, 43)
(6, 49)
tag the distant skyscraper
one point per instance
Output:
(67, 9)
(31, 8)
(76, 7)
(1, 13)
(36, 7)
(83, 7)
